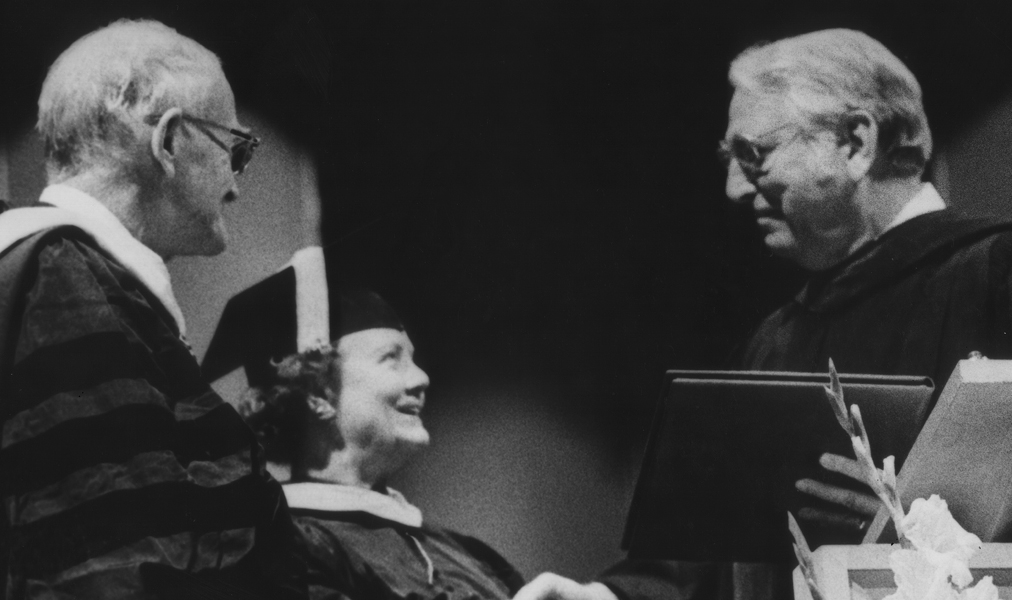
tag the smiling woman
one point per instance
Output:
(347, 412)
(336, 395)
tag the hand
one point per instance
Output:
(549, 586)
(864, 504)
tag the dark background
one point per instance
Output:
(533, 184)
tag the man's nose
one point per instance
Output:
(738, 187)
(418, 380)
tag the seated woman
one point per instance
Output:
(345, 415)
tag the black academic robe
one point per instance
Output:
(913, 302)
(353, 552)
(355, 555)
(123, 475)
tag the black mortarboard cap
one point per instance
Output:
(292, 310)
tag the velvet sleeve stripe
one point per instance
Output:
(198, 405)
(94, 481)
(95, 528)
(142, 470)
(73, 445)
(116, 437)
(214, 473)
(67, 300)
(116, 574)
(66, 406)
(81, 363)
(218, 432)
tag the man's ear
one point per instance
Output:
(164, 140)
(860, 138)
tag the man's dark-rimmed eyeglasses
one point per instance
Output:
(241, 149)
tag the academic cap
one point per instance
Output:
(291, 311)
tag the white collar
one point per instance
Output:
(925, 201)
(333, 497)
(76, 208)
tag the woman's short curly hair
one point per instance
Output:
(278, 414)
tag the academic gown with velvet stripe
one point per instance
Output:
(122, 472)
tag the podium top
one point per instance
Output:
(964, 453)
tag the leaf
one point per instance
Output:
(889, 473)
(799, 539)
(804, 554)
(859, 430)
(834, 393)
(882, 482)
(872, 476)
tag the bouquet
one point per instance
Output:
(931, 562)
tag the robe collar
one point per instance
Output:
(333, 497)
(70, 206)
(924, 201)
(896, 252)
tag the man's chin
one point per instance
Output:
(207, 246)
(414, 441)
(418, 438)
(219, 245)
(210, 248)
(781, 243)
(215, 241)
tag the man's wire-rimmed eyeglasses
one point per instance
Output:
(751, 153)
(241, 150)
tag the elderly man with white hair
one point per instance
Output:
(827, 141)
(123, 475)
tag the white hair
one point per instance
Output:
(826, 74)
(104, 86)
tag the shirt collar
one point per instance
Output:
(925, 201)
(76, 208)
(81, 203)
(333, 497)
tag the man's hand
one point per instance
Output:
(865, 505)
(549, 586)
